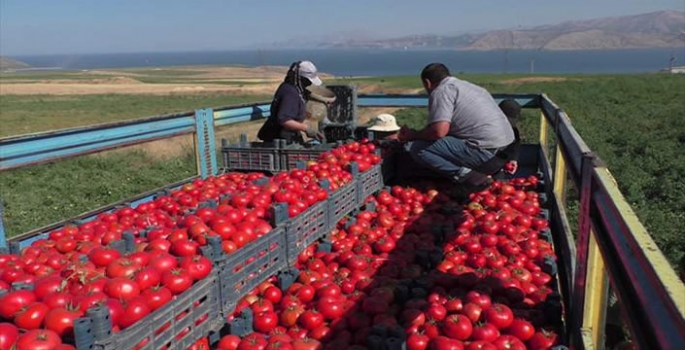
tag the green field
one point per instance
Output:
(636, 123)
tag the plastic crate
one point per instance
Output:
(177, 325)
(246, 268)
(344, 132)
(342, 202)
(294, 154)
(369, 182)
(305, 229)
(344, 109)
(251, 156)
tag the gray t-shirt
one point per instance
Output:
(473, 114)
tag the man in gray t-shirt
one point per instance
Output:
(465, 127)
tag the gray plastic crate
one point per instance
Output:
(246, 268)
(342, 202)
(294, 154)
(251, 156)
(161, 328)
(369, 182)
(306, 228)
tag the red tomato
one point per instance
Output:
(102, 256)
(273, 294)
(543, 340)
(521, 329)
(311, 319)
(485, 332)
(122, 288)
(457, 327)
(32, 316)
(147, 278)
(290, 315)
(445, 343)
(156, 297)
(39, 339)
(306, 344)
(14, 301)
(265, 322)
(228, 342)
(197, 266)
(61, 320)
(177, 280)
(499, 315)
(417, 342)
(135, 310)
(122, 267)
(8, 335)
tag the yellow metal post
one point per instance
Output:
(544, 139)
(560, 175)
(596, 290)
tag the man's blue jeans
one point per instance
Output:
(449, 156)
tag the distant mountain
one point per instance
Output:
(9, 64)
(651, 30)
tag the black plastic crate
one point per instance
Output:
(369, 182)
(342, 202)
(344, 109)
(251, 156)
(246, 268)
(305, 229)
(177, 325)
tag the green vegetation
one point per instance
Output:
(39, 195)
(21, 114)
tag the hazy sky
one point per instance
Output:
(79, 26)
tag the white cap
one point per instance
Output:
(384, 122)
(309, 71)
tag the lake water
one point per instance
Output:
(375, 62)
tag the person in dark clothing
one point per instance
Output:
(288, 107)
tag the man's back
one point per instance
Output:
(475, 116)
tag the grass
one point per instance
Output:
(33, 113)
(39, 195)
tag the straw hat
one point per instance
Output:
(385, 123)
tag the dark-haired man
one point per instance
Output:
(465, 129)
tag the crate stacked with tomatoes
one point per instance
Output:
(419, 271)
(163, 274)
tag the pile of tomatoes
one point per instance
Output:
(419, 269)
(74, 268)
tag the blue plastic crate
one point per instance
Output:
(305, 229)
(161, 328)
(369, 182)
(246, 268)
